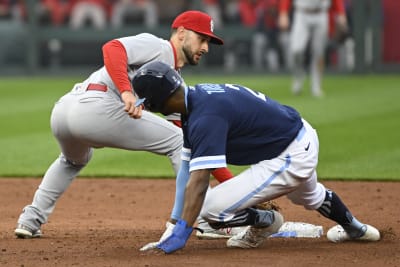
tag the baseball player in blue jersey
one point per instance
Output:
(249, 129)
(101, 112)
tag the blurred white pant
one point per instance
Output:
(122, 9)
(307, 27)
(84, 11)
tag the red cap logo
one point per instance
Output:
(199, 22)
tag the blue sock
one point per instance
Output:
(249, 216)
(334, 209)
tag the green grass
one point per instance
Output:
(358, 122)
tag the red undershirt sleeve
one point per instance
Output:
(285, 5)
(338, 7)
(116, 62)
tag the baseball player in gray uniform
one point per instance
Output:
(102, 111)
(310, 23)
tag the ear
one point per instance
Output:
(175, 103)
(180, 31)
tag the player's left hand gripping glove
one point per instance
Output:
(177, 239)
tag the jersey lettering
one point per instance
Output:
(212, 88)
(217, 88)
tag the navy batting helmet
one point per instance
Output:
(154, 82)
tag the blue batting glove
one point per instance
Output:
(177, 239)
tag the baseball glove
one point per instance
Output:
(268, 205)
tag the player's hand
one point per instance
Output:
(177, 239)
(341, 32)
(283, 21)
(341, 22)
(129, 100)
(168, 231)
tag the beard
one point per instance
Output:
(189, 56)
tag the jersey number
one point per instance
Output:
(256, 94)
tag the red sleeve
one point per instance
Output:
(116, 62)
(285, 5)
(337, 7)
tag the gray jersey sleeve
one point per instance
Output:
(140, 49)
(145, 47)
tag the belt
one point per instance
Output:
(311, 10)
(97, 87)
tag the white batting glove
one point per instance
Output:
(168, 231)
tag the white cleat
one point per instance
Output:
(211, 233)
(253, 237)
(219, 233)
(297, 85)
(318, 93)
(337, 234)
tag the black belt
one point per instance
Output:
(311, 10)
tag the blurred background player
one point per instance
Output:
(12, 10)
(262, 16)
(310, 25)
(92, 12)
(124, 11)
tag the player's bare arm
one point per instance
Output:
(195, 193)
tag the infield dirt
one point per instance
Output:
(104, 222)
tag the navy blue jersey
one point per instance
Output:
(232, 124)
